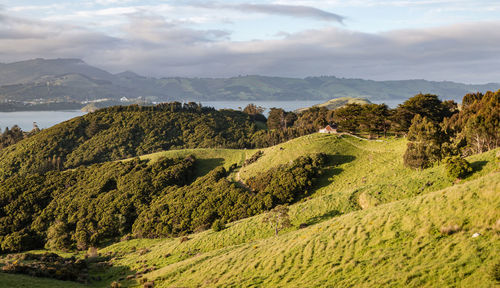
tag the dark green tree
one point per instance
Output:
(425, 105)
(425, 140)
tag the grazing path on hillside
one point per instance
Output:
(238, 180)
(361, 147)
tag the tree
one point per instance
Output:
(255, 112)
(425, 105)
(457, 167)
(475, 128)
(252, 109)
(425, 143)
(347, 117)
(58, 236)
(278, 218)
(276, 119)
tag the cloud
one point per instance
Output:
(152, 45)
(298, 11)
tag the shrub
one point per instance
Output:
(254, 158)
(115, 284)
(457, 167)
(218, 225)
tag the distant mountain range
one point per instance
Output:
(72, 80)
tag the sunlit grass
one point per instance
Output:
(372, 222)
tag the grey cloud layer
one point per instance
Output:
(275, 9)
(150, 45)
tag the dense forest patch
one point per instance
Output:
(87, 206)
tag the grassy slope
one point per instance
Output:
(397, 244)
(348, 181)
(367, 172)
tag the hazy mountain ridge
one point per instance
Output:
(73, 80)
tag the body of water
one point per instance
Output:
(43, 119)
(46, 119)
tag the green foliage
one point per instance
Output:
(83, 206)
(425, 105)
(280, 119)
(11, 136)
(213, 197)
(49, 265)
(475, 128)
(58, 237)
(425, 140)
(278, 218)
(253, 158)
(122, 132)
(255, 112)
(218, 225)
(457, 167)
(286, 183)
(368, 118)
(87, 206)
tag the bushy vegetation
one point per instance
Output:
(15, 134)
(89, 205)
(439, 130)
(457, 167)
(48, 265)
(85, 206)
(122, 132)
(286, 183)
(197, 206)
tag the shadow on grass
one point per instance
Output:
(332, 170)
(321, 218)
(100, 276)
(203, 166)
(478, 166)
(96, 271)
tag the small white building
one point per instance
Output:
(328, 129)
(124, 99)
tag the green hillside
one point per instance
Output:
(338, 102)
(371, 222)
(119, 132)
(298, 257)
(398, 244)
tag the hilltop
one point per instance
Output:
(338, 102)
(74, 81)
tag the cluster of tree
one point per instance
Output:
(87, 206)
(440, 130)
(213, 197)
(83, 206)
(15, 134)
(284, 184)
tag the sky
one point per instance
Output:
(441, 40)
